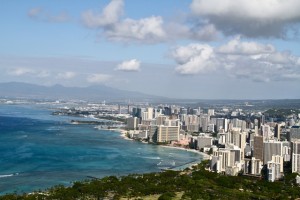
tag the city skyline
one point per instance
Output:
(182, 49)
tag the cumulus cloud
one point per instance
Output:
(109, 16)
(39, 14)
(235, 46)
(98, 78)
(129, 66)
(194, 58)
(152, 29)
(238, 59)
(148, 30)
(66, 75)
(253, 18)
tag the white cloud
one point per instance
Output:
(28, 72)
(98, 78)
(194, 58)
(66, 75)
(43, 74)
(110, 15)
(20, 71)
(148, 30)
(129, 66)
(235, 46)
(238, 59)
(251, 18)
(39, 14)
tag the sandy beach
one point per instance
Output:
(123, 135)
(205, 156)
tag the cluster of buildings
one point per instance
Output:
(237, 142)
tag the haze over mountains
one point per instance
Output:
(97, 92)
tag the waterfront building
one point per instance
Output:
(204, 140)
(132, 123)
(167, 133)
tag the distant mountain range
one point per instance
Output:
(99, 92)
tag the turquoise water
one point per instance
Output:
(38, 150)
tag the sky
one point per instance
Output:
(190, 49)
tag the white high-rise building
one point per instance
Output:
(150, 113)
(267, 133)
(296, 156)
(275, 168)
(211, 112)
(167, 133)
(144, 116)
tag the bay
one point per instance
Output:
(38, 151)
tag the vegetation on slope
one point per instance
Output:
(189, 184)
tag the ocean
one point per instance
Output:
(39, 150)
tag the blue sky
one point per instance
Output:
(233, 49)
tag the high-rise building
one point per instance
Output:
(296, 156)
(258, 147)
(203, 141)
(225, 159)
(132, 123)
(211, 112)
(145, 116)
(167, 111)
(226, 121)
(294, 133)
(167, 133)
(277, 131)
(220, 123)
(266, 132)
(271, 148)
(204, 121)
(183, 111)
(275, 168)
(286, 151)
(150, 113)
(238, 139)
(160, 120)
(262, 120)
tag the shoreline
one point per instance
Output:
(204, 155)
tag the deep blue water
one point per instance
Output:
(38, 150)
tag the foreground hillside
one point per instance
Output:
(188, 184)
